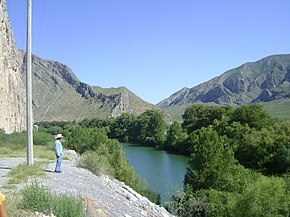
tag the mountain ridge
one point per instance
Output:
(265, 80)
(58, 95)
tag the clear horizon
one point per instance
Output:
(154, 47)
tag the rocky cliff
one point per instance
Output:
(12, 90)
(58, 95)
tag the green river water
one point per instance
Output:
(164, 172)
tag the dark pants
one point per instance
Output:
(58, 163)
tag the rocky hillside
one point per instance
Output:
(59, 95)
(12, 91)
(263, 81)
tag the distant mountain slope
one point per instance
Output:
(266, 80)
(59, 95)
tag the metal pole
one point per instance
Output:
(29, 89)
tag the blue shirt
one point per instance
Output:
(58, 147)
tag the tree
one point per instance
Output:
(176, 138)
(83, 139)
(151, 127)
(122, 127)
(198, 116)
(265, 197)
(209, 159)
(254, 115)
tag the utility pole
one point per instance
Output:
(29, 116)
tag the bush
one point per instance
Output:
(97, 164)
(14, 141)
(42, 138)
(265, 197)
(38, 198)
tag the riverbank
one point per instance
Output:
(104, 196)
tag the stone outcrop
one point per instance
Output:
(12, 90)
(58, 95)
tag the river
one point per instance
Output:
(164, 172)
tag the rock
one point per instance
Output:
(12, 90)
(71, 154)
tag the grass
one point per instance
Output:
(23, 172)
(34, 197)
(279, 108)
(39, 198)
(41, 152)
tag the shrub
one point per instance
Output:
(97, 164)
(42, 138)
(39, 198)
(36, 198)
(265, 197)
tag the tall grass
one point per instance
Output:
(14, 145)
(39, 198)
(22, 173)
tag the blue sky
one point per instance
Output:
(153, 47)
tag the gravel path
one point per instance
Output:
(103, 195)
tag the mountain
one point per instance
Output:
(12, 91)
(263, 81)
(58, 95)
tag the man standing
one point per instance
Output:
(58, 152)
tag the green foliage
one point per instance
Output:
(176, 138)
(198, 116)
(222, 142)
(105, 156)
(266, 150)
(15, 141)
(96, 163)
(265, 197)
(150, 128)
(42, 138)
(217, 185)
(83, 139)
(262, 196)
(211, 203)
(123, 127)
(38, 198)
(254, 115)
(22, 172)
(209, 158)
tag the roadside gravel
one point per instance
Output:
(103, 195)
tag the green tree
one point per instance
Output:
(254, 115)
(82, 139)
(151, 127)
(266, 150)
(209, 159)
(198, 116)
(176, 138)
(122, 127)
(265, 197)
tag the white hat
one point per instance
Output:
(58, 136)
